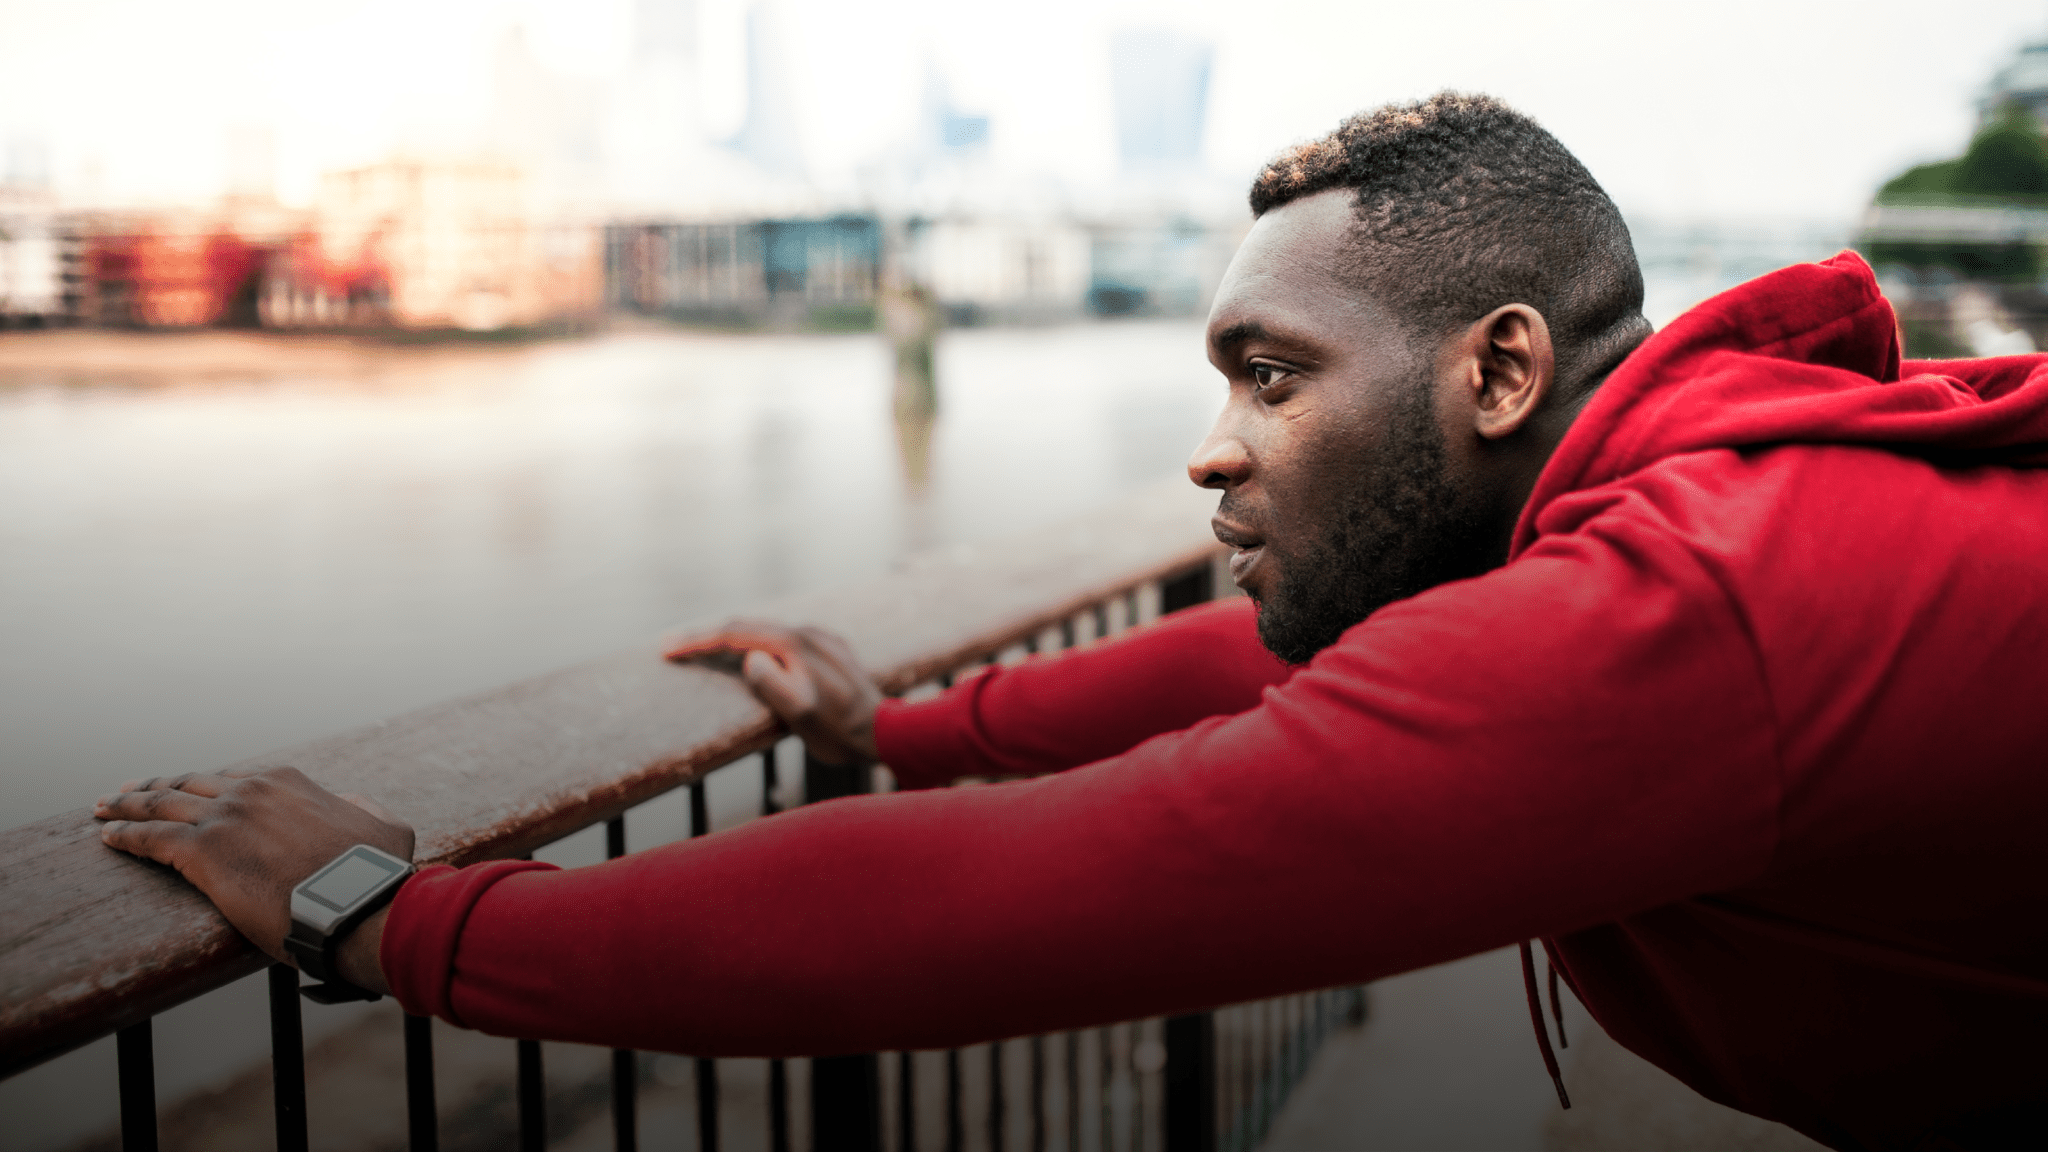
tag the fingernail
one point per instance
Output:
(107, 829)
(102, 802)
(130, 786)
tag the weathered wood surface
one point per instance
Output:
(92, 940)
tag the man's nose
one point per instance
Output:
(1221, 461)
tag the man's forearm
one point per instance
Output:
(1051, 714)
(358, 956)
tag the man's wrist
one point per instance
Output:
(358, 956)
(329, 911)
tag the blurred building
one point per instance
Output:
(944, 131)
(184, 268)
(173, 272)
(769, 136)
(1000, 269)
(785, 273)
(1151, 267)
(38, 258)
(426, 245)
(1160, 79)
(38, 250)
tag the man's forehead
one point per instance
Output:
(1312, 233)
(1289, 271)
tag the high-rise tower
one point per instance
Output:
(1160, 78)
(768, 135)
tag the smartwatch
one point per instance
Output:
(328, 905)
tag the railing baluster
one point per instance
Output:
(1038, 1094)
(707, 1069)
(287, 1059)
(1073, 1091)
(136, 1059)
(421, 1120)
(1248, 1049)
(1191, 1083)
(1073, 1039)
(906, 1101)
(531, 1092)
(778, 1072)
(1136, 1128)
(956, 1120)
(1106, 1060)
(700, 813)
(846, 1091)
(846, 1114)
(533, 1120)
(707, 1105)
(625, 1065)
(778, 1106)
(996, 1109)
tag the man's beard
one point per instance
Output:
(1404, 528)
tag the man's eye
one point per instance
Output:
(1264, 375)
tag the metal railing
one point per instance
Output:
(1196, 1083)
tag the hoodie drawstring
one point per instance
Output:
(1542, 1026)
(1556, 1006)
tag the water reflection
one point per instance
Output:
(208, 557)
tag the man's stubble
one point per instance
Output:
(1403, 526)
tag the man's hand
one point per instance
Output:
(807, 676)
(247, 838)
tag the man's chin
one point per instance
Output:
(1284, 637)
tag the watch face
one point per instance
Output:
(345, 882)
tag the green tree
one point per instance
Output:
(2007, 161)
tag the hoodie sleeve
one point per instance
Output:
(1058, 711)
(1573, 738)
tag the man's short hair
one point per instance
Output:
(1463, 205)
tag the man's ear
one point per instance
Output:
(1513, 368)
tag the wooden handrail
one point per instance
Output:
(92, 940)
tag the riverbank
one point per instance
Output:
(98, 355)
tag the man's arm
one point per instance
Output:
(1047, 714)
(1574, 738)
(1056, 712)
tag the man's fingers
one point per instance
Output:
(157, 840)
(786, 690)
(737, 636)
(832, 644)
(196, 783)
(162, 804)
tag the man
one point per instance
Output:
(1713, 660)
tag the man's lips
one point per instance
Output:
(1249, 548)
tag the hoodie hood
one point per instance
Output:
(1805, 355)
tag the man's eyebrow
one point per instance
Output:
(1240, 332)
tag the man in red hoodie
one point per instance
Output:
(1712, 659)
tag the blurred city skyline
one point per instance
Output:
(1741, 110)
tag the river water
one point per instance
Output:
(200, 562)
(215, 546)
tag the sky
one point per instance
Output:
(1737, 109)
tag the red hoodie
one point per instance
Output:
(1750, 728)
